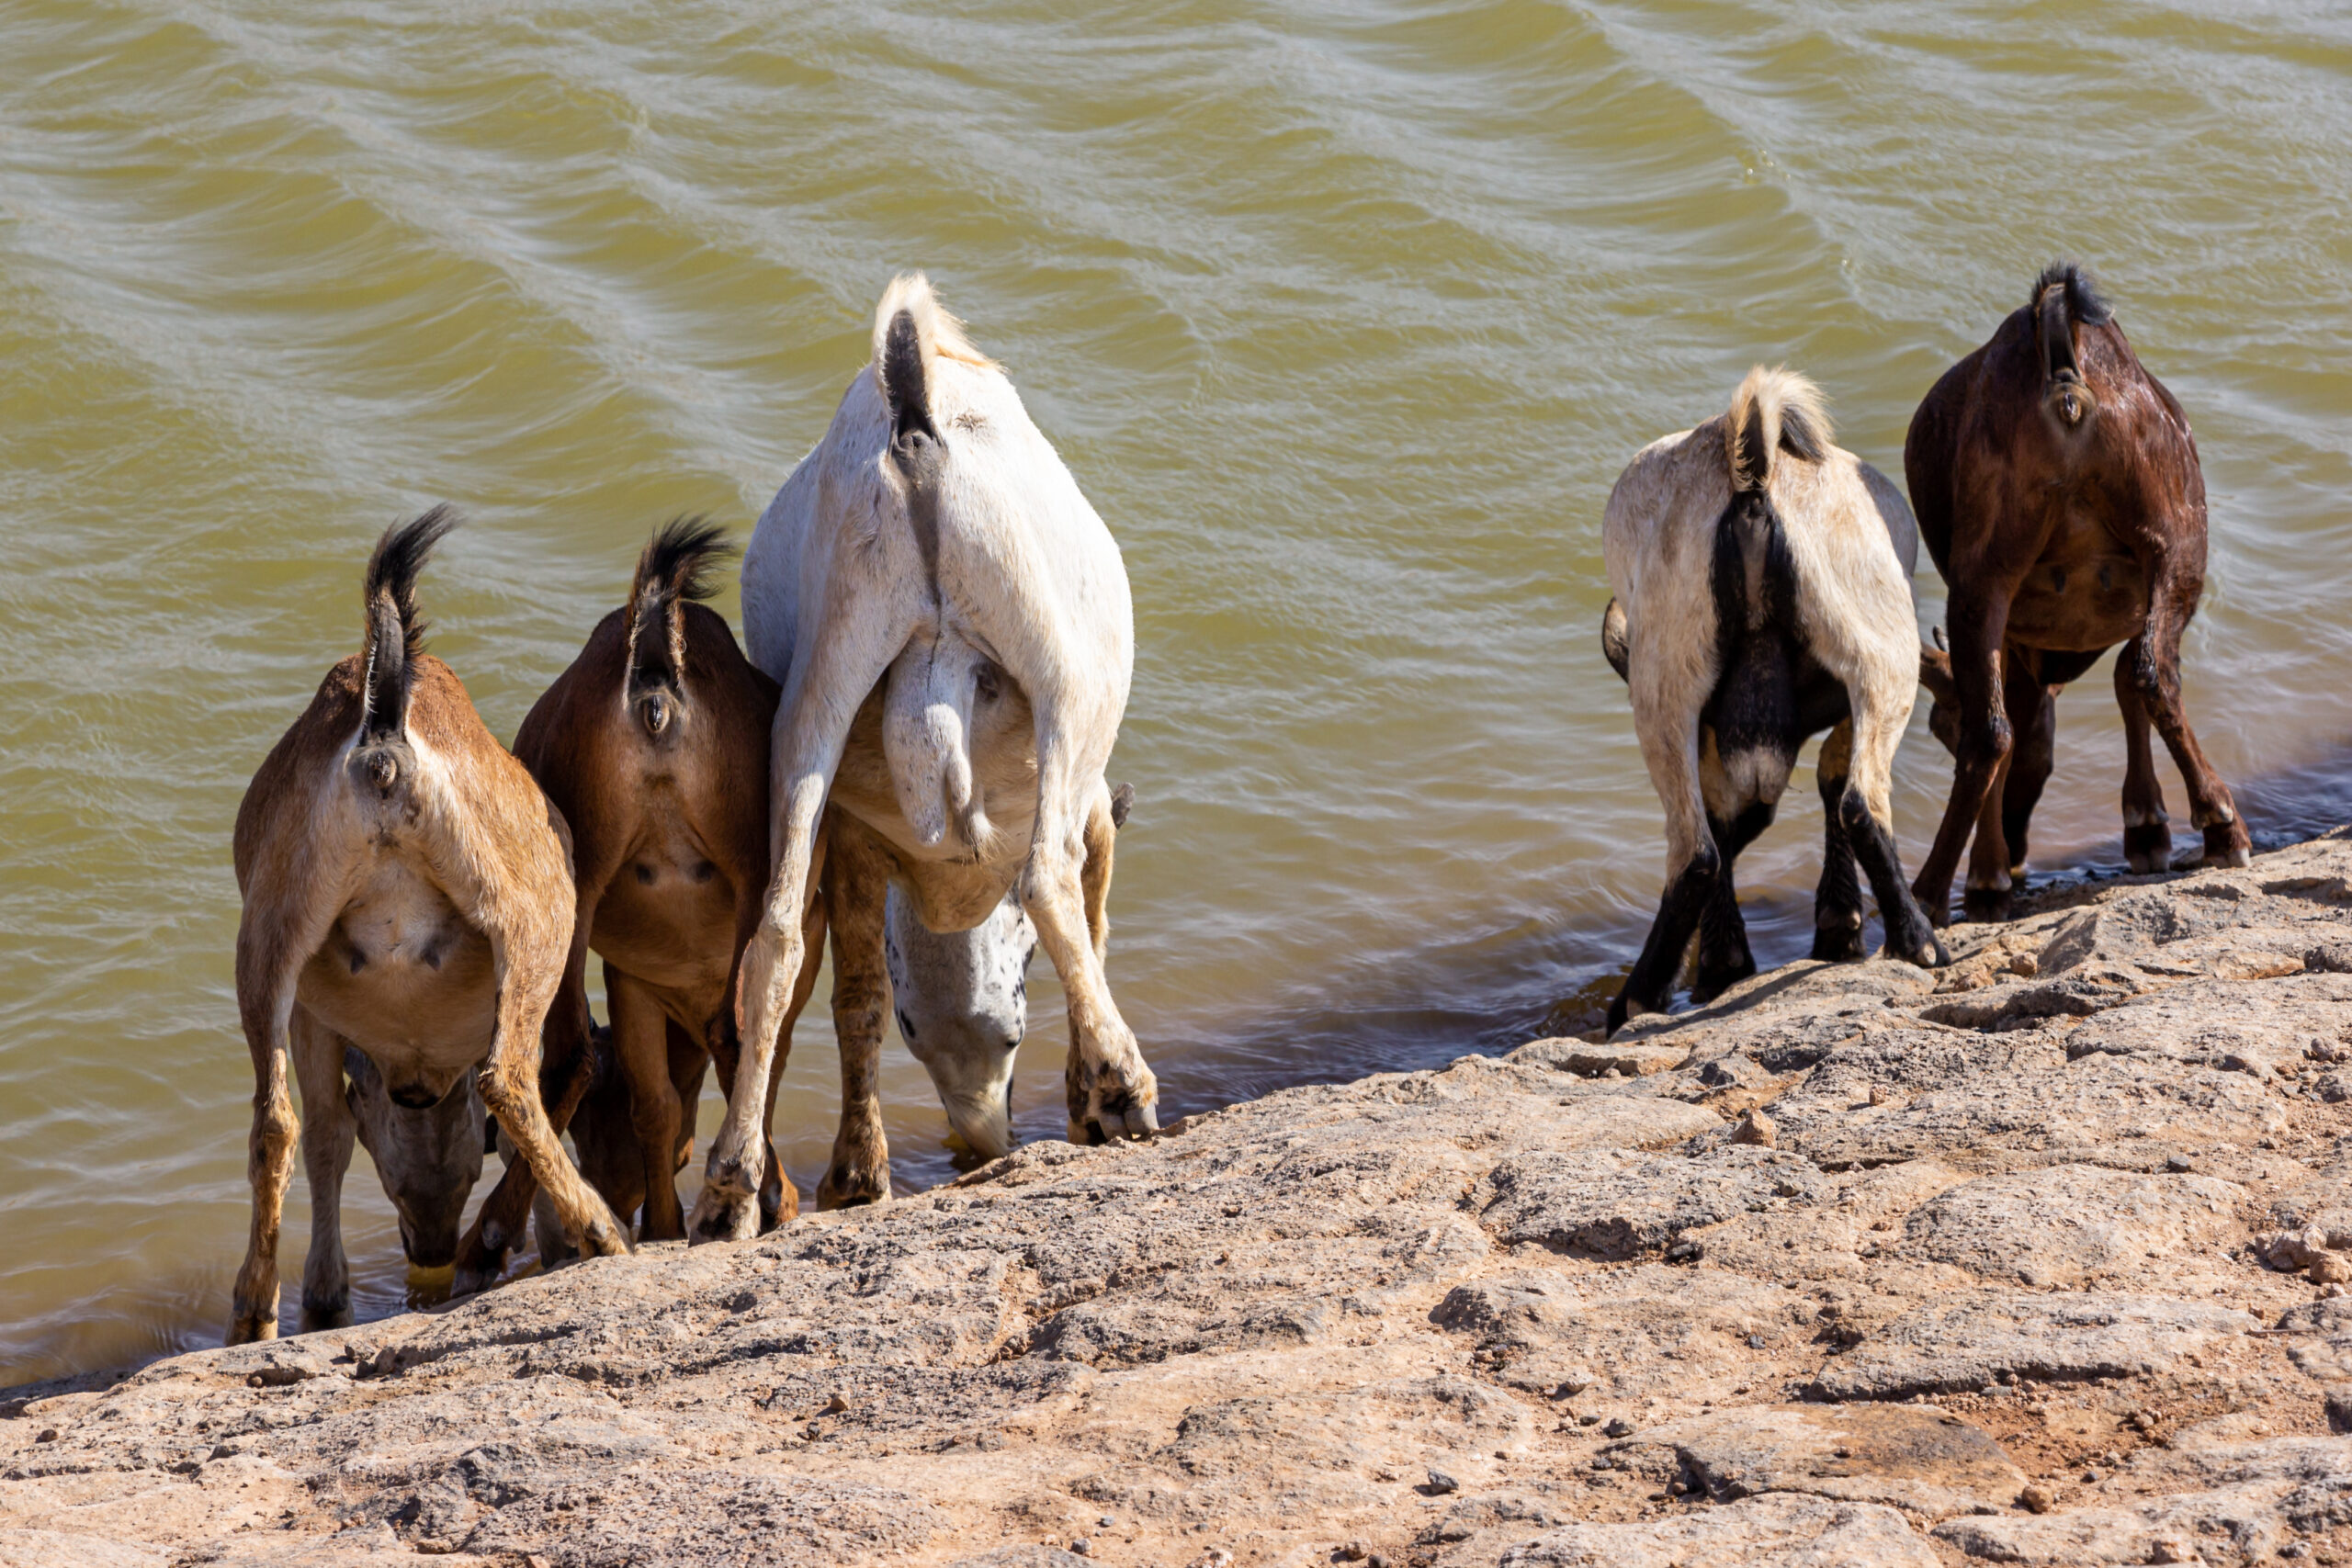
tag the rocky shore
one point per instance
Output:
(2039, 1259)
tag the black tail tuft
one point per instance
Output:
(1122, 800)
(2082, 296)
(904, 378)
(395, 631)
(678, 559)
(673, 570)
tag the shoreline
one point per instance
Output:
(2040, 1258)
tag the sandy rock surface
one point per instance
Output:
(2043, 1258)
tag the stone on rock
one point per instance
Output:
(2072, 1224)
(1782, 1530)
(1961, 1347)
(1631, 1059)
(1618, 1205)
(1926, 1463)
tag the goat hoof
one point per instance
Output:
(1712, 983)
(721, 1215)
(2227, 844)
(1143, 1121)
(1986, 905)
(326, 1311)
(854, 1186)
(1930, 955)
(778, 1206)
(2147, 847)
(601, 1238)
(250, 1328)
(1838, 944)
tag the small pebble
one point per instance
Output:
(1602, 1461)
(2035, 1499)
(1756, 1341)
(1441, 1482)
(2176, 1163)
(2089, 1476)
(1081, 1545)
(1588, 1419)
(1353, 1552)
(1105, 1522)
(1756, 1128)
(1619, 1427)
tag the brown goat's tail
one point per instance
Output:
(2064, 298)
(395, 631)
(674, 569)
(1773, 412)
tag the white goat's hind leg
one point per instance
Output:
(1837, 899)
(1668, 721)
(812, 727)
(1881, 705)
(1109, 1089)
(327, 1135)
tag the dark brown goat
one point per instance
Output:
(2057, 487)
(654, 745)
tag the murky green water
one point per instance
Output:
(1345, 314)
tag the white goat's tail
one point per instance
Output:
(929, 333)
(926, 737)
(1774, 411)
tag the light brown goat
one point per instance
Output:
(407, 893)
(654, 746)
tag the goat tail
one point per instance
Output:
(927, 703)
(395, 631)
(911, 330)
(1774, 411)
(673, 570)
(2064, 298)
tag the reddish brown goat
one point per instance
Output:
(406, 899)
(2057, 487)
(654, 745)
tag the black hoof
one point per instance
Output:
(1712, 983)
(2148, 846)
(1986, 905)
(1838, 944)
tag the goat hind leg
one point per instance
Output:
(286, 916)
(328, 1133)
(641, 1048)
(2147, 827)
(511, 1088)
(1838, 900)
(2035, 705)
(1866, 816)
(1984, 741)
(2212, 808)
(1725, 959)
(857, 885)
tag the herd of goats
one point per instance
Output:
(908, 754)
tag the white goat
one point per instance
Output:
(951, 625)
(1763, 594)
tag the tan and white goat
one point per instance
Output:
(1763, 594)
(951, 624)
(408, 897)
